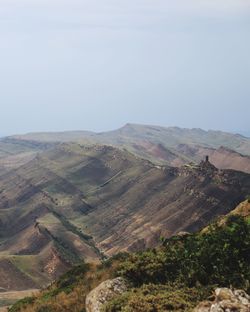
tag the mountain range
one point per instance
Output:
(81, 195)
(165, 146)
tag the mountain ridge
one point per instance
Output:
(63, 201)
(159, 144)
(75, 201)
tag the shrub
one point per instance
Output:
(23, 302)
(220, 256)
(151, 298)
(176, 276)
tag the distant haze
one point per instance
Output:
(98, 64)
(245, 133)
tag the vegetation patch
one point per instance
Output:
(21, 303)
(151, 297)
(221, 256)
(174, 277)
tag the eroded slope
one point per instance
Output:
(76, 201)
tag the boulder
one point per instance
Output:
(226, 300)
(105, 292)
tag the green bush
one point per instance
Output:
(72, 276)
(220, 256)
(152, 298)
(174, 277)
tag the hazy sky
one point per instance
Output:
(98, 64)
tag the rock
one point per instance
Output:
(105, 292)
(182, 234)
(223, 294)
(226, 300)
(203, 307)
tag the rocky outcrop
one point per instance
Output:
(226, 300)
(105, 292)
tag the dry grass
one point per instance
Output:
(73, 300)
(8, 298)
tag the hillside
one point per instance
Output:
(76, 202)
(174, 277)
(222, 157)
(14, 152)
(173, 136)
(165, 146)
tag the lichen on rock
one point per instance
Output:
(105, 292)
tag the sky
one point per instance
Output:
(99, 64)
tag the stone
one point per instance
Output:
(224, 294)
(226, 300)
(203, 306)
(105, 292)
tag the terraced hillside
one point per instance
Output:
(73, 201)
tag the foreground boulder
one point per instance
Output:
(105, 292)
(226, 300)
